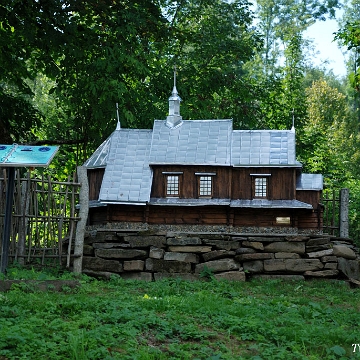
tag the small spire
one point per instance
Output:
(293, 120)
(118, 126)
(174, 119)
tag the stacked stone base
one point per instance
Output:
(144, 255)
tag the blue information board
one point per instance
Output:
(24, 155)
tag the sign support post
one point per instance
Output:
(7, 221)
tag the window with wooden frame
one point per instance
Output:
(172, 183)
(205, 184)
(260, 185)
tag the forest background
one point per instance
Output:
(66, 63)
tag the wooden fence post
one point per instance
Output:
(83, 214)
(344, 213)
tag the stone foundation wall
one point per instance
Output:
(152, 255)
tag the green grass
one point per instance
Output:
(174, 319)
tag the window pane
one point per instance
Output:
(260, 187)
(205, 186)
(172, 185)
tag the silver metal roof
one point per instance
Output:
(263, 148)
(195, 142)
(309, 182)
(128, 153)
(273, 204)
(99, 157)
(127, 176)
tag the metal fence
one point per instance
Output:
(44, 217)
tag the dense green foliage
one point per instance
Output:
(65, 64)
(174, 319)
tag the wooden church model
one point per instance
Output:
(202, 172)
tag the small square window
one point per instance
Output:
(205, 186)
(172, 185)
(260, 188)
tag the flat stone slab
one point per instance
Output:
(265, 239)
(121, 253)
(156, 253)
(329, 259)
(318, 241)
(292, 265)
(184, 240)
(98, 264)
(256, 266)
(297, 238)
(134, 265)
(37, 285)
(322, 273)
(231, 276)
(222, 244)
(285, 255)
(217, 254)
(331, 265)
(161, 265)
(218, 265)
(319, 254)
(244, 250)
(138, 241)
(291, 247)
(257, 245)
(184, 257)
(109, 245)
(190, 249)
(254, 256)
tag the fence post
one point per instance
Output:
(344, 213)
(83, 214)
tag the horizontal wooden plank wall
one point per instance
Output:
(309, 197)
(189, 181)
(95, 177)
(206, 215)
(281, 183)
(234, 183)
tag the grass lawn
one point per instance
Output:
(174, 319)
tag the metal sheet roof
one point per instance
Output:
(127, 176)
(309, 182)
(273, 204)
(128, 153)
(195, 142)
(99, 157)
(263, 147)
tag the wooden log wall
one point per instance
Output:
(206, 215)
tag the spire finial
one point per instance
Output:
(118, 126)
(175, 76)
(174, 118)
(293, 119)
